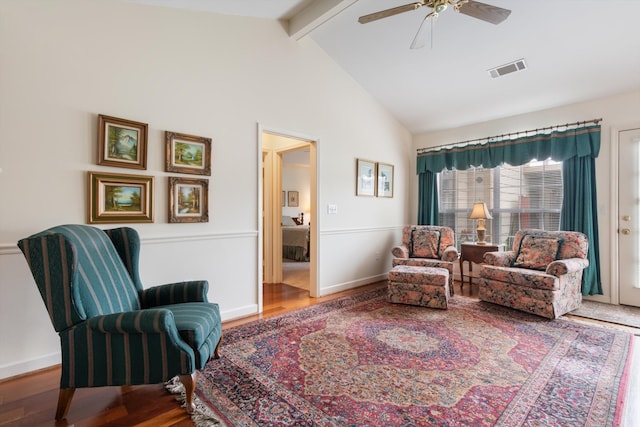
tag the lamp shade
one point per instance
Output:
(480, 211)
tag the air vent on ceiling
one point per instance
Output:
(511, 67)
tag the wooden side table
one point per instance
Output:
(473, 252)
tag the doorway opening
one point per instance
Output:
(296, 217)
(288, 200)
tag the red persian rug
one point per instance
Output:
(361, 361)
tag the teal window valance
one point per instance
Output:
(576, 148)
(557, 145)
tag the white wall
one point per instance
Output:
(62, 63)
(295, 177)
(617, 112)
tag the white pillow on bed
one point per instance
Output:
(287, 220)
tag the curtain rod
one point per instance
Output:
(522, 132)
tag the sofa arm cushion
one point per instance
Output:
(565, 266)
(400, 251)
(499, 259)
(450, 254)
(134, 322)
(175, 293)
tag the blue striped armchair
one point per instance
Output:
(112, 331)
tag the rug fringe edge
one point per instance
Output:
(202, 415)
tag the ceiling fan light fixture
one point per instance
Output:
(475, 9)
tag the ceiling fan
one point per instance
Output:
(475, 9)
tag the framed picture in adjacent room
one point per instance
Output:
(188, 200)
(293, 199)
(365, 178)
(122, 143)
(385, 180)
(115, 198)
(187, 153)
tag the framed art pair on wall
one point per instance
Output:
(118, 198)
(123, 143)
(374, 179)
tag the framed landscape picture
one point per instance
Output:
(122, 143)
(116, 198)
(385, 180)
(187, 153)
(188, 200)
(365, 178)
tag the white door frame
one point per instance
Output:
(314, 217)
(613, 226)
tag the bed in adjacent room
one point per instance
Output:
(295, 240)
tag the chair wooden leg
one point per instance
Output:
(189, 383)
(216, 352)
(64, 401)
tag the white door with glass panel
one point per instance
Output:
(629, 216)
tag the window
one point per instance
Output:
(527, 196)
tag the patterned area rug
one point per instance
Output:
(620, 314)
(361, 361)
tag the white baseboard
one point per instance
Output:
(339, 287)
(598, 298)
(23, 367)
(239, 312)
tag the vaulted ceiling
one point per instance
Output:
(575, 50)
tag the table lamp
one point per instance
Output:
(480, 212)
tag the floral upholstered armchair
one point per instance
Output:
(427, 246)
(541, 275)
(113, 331)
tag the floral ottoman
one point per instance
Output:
(423, 286)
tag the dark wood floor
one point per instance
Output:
(30, 400)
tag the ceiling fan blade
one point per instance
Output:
(419, 40)
(389, 12)
(485, 12)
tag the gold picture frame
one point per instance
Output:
(384, 180)
(187, 153)
(365, 178)
(118, 198)
(122, 143)
(188, 200)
